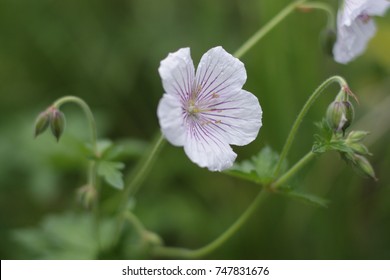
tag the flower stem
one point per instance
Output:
(92, 170)
(88, 113)
(291, 172)
(136, 178)
(326, 8)
(266, 28)
(173, 252)
(302, 113)
(143, 167)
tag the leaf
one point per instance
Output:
(305, 197)
(259, 168)
(130, 148)
(66, 236)
(110, 171)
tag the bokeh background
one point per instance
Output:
(108, 52)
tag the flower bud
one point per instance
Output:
(356, 136)
(327, 40)
(359, 148)
(57, 123)
(340, 115)
(41, 123)
(363, 166)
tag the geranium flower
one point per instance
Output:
(207, 111)
(355, 27)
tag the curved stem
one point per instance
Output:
(302, 113)
(324, 7)
(88, 113)
(92, 170)
(139, 173)
(133, 220)
(291, 172)
(136, 178)
(172, 252)
(266, 28)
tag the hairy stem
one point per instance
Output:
(267, 28)
(172, 252)
(302, 114)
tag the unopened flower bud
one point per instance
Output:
(359, 148)
(356, 136)
(364, 166)
(57, 123)
(41, 123)
(327, 40)
(340, 115)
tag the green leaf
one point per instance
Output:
(259, 168)
(110, 171)
(66, 236)
(130, 148)
(305, 197)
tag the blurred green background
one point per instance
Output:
(108, 52)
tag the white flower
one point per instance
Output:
(355, 27)
(207, 111)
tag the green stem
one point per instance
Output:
(302, 113)
(324, 7)
(171, 252)
(88, 113)
(291, 172)
(92, 169)
(133, 220)
(266, 28)
(136, 178)
(143, 167)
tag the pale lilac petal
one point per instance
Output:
(219, 72)
(352, 40)
(177, 73)
(209, 152)
(236, 118)
(376, 7)
(170, 116)
(350, 10)
(355, 27)
(207, 112)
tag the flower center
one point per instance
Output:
(364, 17)
(192, 108)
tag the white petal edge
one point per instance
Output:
(219, 72)
(170, 116)
(177, 73)
(377, 7)
(352, 40)
(216, 156)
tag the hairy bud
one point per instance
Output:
(57, 122)
(41, 123)
(339, 115)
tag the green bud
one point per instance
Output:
(41, 123)
(356, 136)
(57, 123)
(339, 115)
(359, 148)
(327, 40)
(87, 196)
(363, 166)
